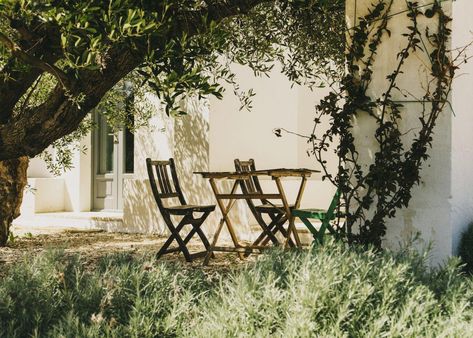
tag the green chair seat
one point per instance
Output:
(310, 213)
(321, 214)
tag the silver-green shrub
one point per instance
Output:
(329, 291)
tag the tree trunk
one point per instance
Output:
(13, 179)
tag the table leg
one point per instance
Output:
(298, 202)
(291, 226)
(214, 242)
(225, 212)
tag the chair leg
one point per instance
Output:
(279, 226)
(196, 228)
(270, 226)
(196, 224)
(175, 235)
(266, 230)
(201, 234)
(312, 229)
(278, 221)
(168, 242)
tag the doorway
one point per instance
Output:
(113, 163)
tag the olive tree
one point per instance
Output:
(59, 59)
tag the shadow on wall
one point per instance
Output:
(187, 140)
(140, 212)
(192, 153)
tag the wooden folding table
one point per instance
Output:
(276, 175)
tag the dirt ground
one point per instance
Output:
(91, 245)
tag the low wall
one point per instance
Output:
(43, 195)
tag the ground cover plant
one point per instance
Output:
(330, 291)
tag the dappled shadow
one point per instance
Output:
(94, 246)
(140, 212)
(192, 153)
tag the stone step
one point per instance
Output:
(65, 221)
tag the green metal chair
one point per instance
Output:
(326, 216)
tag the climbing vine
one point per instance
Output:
(373, 192)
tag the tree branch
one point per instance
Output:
(13, 85)
(191, 21)
(34, 61)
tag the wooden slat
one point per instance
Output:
(159, 162)
(167, 181)
(280, 172)
(160, 178)
(217, 175)
(248, 196)
(246, 249)
(171, 195)
(198, 254)
(172, 250)
(290, 173)
(246, 167)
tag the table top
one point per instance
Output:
(277, 172)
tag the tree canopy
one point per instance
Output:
(60, 58)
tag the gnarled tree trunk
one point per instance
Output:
(13, 179)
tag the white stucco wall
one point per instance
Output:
(441, 205)
(78, 180)
(213, 134)
(462, 124)
(248, 134)
(186, 140)
(70, 191)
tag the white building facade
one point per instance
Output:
(108, 185)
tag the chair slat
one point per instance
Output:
(250, 183)
(164, 178)
(167, 182)
(159, 178)
(159, 162)
(171, 195)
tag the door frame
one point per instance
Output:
(118, 175)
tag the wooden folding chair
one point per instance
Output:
(163, 173)
(275, 212)
(326, 216)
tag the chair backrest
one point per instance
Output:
(164, 182)
(251, 184)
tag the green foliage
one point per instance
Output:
(11, 238)
(374, 188)
(54, 295)
(59, 156)
(331, 290)
(306, 37)
(465, 250)
(177, 61)
(177, 65)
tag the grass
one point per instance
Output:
(330, 291)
